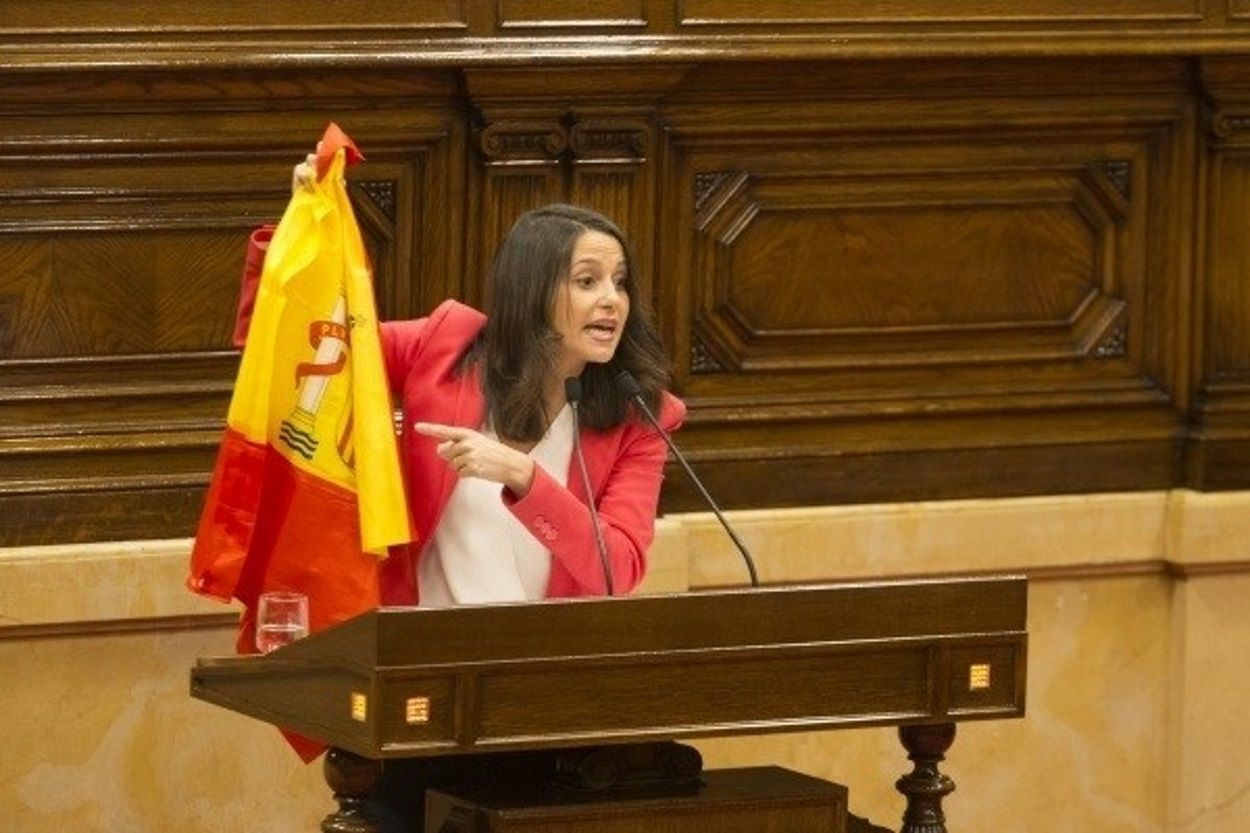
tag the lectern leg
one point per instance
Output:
(352, 778)
(925, 787)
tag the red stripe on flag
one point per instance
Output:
(307, 539)
(229, 516)
(268, 525)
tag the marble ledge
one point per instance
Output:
(1179, 530)
(143, 580)
(100, 582)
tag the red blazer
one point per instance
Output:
(625, 463)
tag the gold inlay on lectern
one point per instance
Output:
(360, 707)
(978, 676)
(417, 710)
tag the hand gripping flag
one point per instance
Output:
(307, 494)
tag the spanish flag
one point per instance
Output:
(307, 494)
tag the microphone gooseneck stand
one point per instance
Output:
(573, 393)
(628, 385)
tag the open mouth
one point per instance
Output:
(601, 331)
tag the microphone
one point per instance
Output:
(628, 385)
(573, 393)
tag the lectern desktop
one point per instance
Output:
(616, 681)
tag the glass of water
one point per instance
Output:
(281, 618)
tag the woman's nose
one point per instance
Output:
(610, 295)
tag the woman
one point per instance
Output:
(492, 483)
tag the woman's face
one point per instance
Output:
(591, 304)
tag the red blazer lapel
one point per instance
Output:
(469, 413)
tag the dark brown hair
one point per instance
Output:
(517, 349)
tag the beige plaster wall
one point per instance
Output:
(1139, 672)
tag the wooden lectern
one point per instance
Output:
(619, 679)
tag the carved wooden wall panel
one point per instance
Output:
(666, 28)
(871, 278)
(122, 239)
(921, 267)
(116, 272)
(1220, 451)
(773, 12)
(130, 19)
(520, 168)
(613, 171)
(1228, 359)
(559, 135)
(601, 163)
(528, 14)
(921, 277)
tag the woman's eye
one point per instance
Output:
(585, 282)
(622, 284)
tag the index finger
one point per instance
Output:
(442, 432)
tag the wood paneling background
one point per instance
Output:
(885, 270)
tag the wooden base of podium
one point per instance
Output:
(751, 800)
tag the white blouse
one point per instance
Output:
(480, 553)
